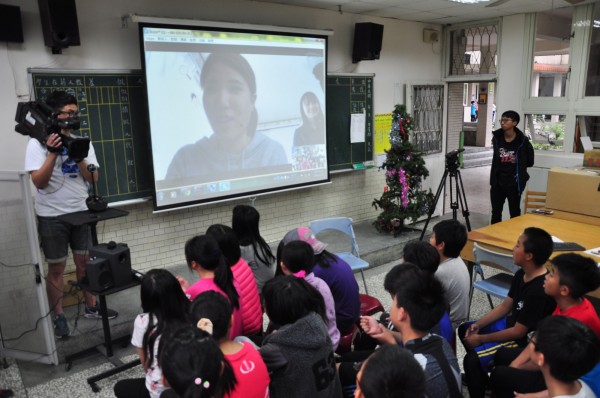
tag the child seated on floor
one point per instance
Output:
(255, 250)
(164, 306)
(337, 274)
(449, 237)
(507, 324)
(243, 279)
(299, 354)
(418, 305)
(565, 349)
(390, 372)
(193, 365)
(211, 312)
(569, 277)
(427, 258)
(204, 256)
(296, 258)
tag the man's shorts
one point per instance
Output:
(56, 236)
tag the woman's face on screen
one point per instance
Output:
(311, 108)
(228, 102)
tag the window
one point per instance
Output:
(428, 110)
(546, 131)
(592, 83)
(587, 126)
(473, 50)
(551, 53)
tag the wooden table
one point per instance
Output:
(502, 236)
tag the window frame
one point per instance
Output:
(574, 103)
(447, 77)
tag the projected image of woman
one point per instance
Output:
(229, 95)
(312, 130)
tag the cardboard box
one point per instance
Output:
(591, 158)
(574, 191)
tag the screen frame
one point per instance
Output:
(228, 27)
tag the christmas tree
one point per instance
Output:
(403, 197)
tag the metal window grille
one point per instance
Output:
(473, 50)
(428, 110)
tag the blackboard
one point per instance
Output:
(348, 94)
(114, 114)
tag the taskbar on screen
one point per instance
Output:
(236, 187)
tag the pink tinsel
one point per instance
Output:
(403, 182)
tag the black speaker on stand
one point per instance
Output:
(59, 24)
(119, 258)
(99, 274)
(368, 37)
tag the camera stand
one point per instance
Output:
(457, 195)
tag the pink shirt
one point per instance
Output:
(207, 284)
(250, 372)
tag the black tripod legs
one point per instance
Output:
(458, 198)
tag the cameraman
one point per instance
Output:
(62, 188)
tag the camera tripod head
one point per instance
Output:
(452, 164)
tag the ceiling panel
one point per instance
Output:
(434, 11)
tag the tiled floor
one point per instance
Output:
(36, 380)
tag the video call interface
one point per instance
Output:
(233, 113)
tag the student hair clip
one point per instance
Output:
(206, 325)
(198, 381)
(300, 274)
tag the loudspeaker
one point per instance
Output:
(118, 256)
(367, 41)
(99, 275)
(11, 28)
(59, 24)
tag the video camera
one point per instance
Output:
(38, 120)
(452, 158)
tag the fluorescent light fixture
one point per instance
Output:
(469, 1)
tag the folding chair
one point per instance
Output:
(534, 200)
(344, 225)
(497, 285)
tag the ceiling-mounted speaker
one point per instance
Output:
(59, 24)
(431, 36)
(368, 37)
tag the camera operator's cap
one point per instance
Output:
(306, 235)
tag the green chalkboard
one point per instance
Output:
(348, 94)
(114, 114)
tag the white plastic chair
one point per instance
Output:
(344, 225)
(497, 285)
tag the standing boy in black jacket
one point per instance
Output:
(513, 154)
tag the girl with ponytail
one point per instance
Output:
(204, 256)
(194, 366)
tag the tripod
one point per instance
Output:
(457, 195)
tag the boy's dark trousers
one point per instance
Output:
(475, 377)
(504, 380)
(498, 194)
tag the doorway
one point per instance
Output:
(472, 110)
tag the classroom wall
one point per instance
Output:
(107, 43)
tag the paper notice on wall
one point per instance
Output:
(357, 127)
(381, 136)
